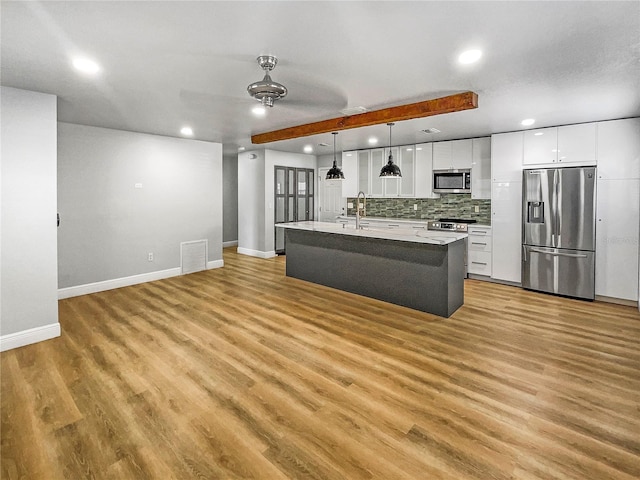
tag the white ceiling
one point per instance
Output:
(171, 63)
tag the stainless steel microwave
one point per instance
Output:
(452, 181)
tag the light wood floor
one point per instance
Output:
(241, 372)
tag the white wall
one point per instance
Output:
(230, 199)
(108, 225)
(28, 259)
(256, 228)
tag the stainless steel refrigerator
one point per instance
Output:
(558, 235)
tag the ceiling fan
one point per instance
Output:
(266, 91)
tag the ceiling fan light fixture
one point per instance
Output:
(334, 172)
(390, 170)
(267, 90)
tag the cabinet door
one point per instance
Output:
(617, 238)
(377, 162)
(461, 154)
(506, 226)
(350, 171)
(506, 157)
(540, 146)
(391, 185)
(481, 169)
(424, 171)
(577, 144)
(442, 159)
(619, 149)
(408, 168)
(363, 171)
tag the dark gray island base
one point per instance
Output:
(423, 276)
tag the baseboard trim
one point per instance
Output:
(117, 283)
(256, 253)
(127, 281)
(617, 301)
(231, 243)
(27, 337)
(215, 264)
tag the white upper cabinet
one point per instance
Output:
(540, 146)
(569, 145)
(481, 169)
(363, 171)
(350, 171)
(377, 162)
(506, 157)
(577, 144)
(619, 149)
(453, 154)
(408, 167)
(424, 171)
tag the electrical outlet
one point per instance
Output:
(349, 204)
(415, 206)
(150, 256)
(477, 209)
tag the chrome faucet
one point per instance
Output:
(364, 209)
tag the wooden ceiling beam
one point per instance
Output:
(427, 108)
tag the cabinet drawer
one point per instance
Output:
(483, 231)
(479, 244)
(479, 263)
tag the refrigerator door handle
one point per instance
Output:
(559, 254)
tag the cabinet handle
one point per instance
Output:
(480, 263)
(393, 225)
(478, 243)
(418, 228)
(478, 232)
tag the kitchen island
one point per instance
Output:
(423, 270)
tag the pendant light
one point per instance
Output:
(390, 170)
(335, 173)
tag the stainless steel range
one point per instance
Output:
(451, 224)
(458, 225)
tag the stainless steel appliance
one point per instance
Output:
(458, 225)
(558, 235)
(452, 181)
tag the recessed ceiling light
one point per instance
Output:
(527, 121)
(353, 111)
(85, 65)
(409, 149)
(186, 131)
(373, 140)
(308, 149)
(259, 110)
(349, 154)
(537, 134)
(470, 56)
(418, 148)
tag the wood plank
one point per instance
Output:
(427, 108)
(242, 372)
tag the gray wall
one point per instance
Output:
(256, 229)
(230, 198)
(28, 258)
(108, 225)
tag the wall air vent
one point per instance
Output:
(193, 256)
(430, 130)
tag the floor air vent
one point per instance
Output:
(193, 256)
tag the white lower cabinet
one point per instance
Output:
(617, 238)
(506, 226)
(479, 250)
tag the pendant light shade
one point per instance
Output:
(390, 170)
(334, 172)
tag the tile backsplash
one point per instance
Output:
(447, 206)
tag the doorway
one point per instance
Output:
(330, 197)
(293, 199)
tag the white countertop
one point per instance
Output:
(433, 237)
